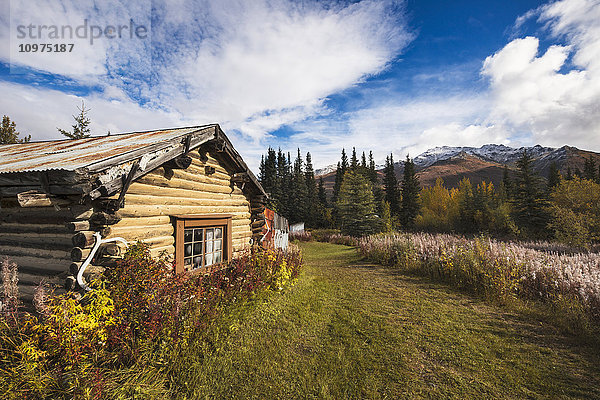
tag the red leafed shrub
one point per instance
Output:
(155, 306)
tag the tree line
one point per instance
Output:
(364, 201)
(359, 205)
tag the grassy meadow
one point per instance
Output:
(349, 329)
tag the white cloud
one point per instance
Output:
(252, 66)
(39, 111)
(554, 95)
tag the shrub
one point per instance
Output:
(140, 314)
(496, 270)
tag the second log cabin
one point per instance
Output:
(185, 192)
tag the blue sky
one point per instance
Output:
(387, 76)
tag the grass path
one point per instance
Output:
(349, 330)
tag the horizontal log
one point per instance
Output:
(198, 174)
(160, 241)
(137, 188)
(76, 226)
(133, 233)
(135, 210)
(35, 198)
(104, 218)
(258, 223)
(185, 184)
(112, 249)
(51, 241)
(44, 215)
(168, 251)
(26, 278)
(173, 199)
(32, 228)
(142, 221)
(12, 250)
(43, 265)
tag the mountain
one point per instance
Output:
(485, 163)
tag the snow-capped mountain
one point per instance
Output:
(497, 153)
(325, 170)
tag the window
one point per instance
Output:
(202, 241)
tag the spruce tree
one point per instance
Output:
(410, 207)
(9, 134)
(322, 194)
(589, 169)
(338, 182)
(507, 183)
(553, 176)
(311, 193)
(363, 161)
(356, 206)
(354, 160)
(529, 201)
(344, 162)
(283, 183)
(299, 205)
(569, 174)
(81, 128)
(390, 185)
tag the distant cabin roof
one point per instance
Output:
(96, 160)
(91, 153)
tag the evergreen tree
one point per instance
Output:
(363, 161)
(356, 206)
(372, 171)
(390, 186)
(81, 128)
(353, 160)
(9, 134)
(322, 194)
(283, 184)
(344, 162)
(529, 201)
(410, 195)
(569, 173)
(507, 183)
(338, 181)
(553, 176)
(589, 169)
(261, 170)
(311, 194)
(299, 205)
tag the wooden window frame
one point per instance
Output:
(205, 221)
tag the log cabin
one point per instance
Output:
(185, 192)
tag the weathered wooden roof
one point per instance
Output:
(95, 166)
(94, 153)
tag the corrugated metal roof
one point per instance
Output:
(71, 155)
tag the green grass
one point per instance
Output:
(350, 330)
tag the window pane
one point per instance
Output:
(209, 246)
(217, 257)
(197, 235)
(217, 245)
(187, 261)
(209, 259)
(188, 250)
(188, 235)
(209, 234)
(198, 262)
(218, 233)
(197, 248)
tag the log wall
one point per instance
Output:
(153, 198)
(39, 242)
